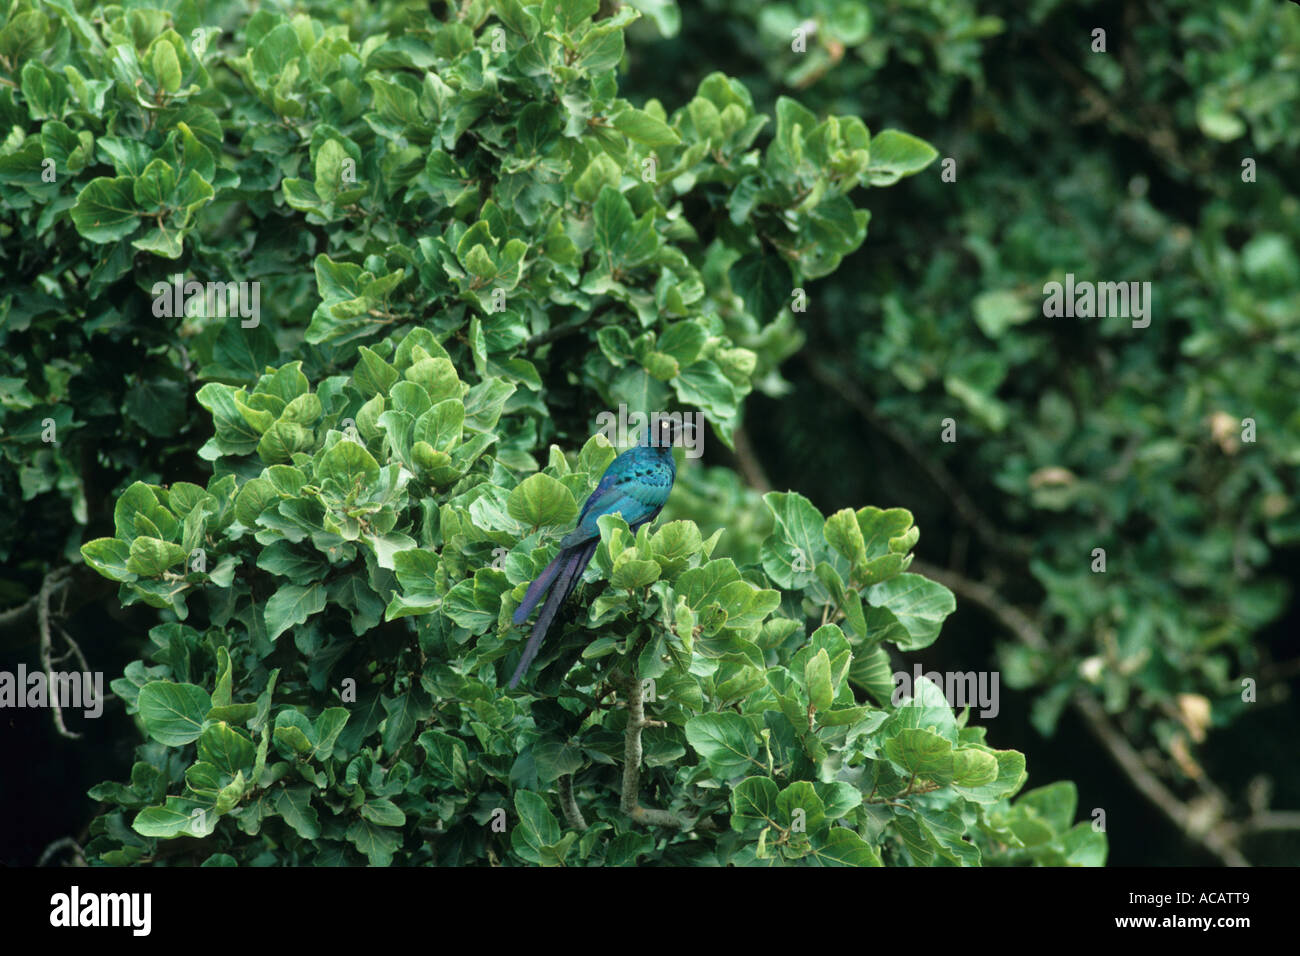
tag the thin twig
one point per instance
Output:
(14, 616)
(75, 586)
(73, 648)
(43, 624)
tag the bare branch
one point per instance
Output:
(73, 648)
(43, 624)
(16, 616)
(1271, 820)
(60, 844)
(74, 585)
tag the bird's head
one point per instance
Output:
(662, 433)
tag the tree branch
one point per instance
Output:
(1201, 821)
(572, 815)
(18, 624)
(43, 624)
(636, 722)
(1268, 820)
(17, 616)
(59, 844)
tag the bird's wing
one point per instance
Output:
(633, 498)
(608, 480)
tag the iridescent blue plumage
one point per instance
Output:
(635, 485)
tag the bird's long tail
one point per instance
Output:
(561, 576)
(538, 588)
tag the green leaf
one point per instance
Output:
(872, 670)
(294, 805)
(895, 155)
(600, 172)
(753, 802)
(109, 557)
(329, 170)
(173, 714)
(927, 709)
(598, 52)
(291, 605)
(791, 552)
(105, 210)
(383, 813)
(177, 817)
(537, 829)
(817, 680)
(641, 127)
(765, 283)
(799, 808)
(349, 466)
(838, 798)
(844, 534)
(377, 843)
(150, 557)
(843, 847)
(22, 35)
(448, 758)
(517, 17)
(166, 66)
(921, 753)
(574, 12)
(999, 309)
(539, 500)
(294, 739)
(1011, 777)
(612, 218)
(726, 741)
(328, 726)
(632, 572)
(977, 768)
(276, 50)
(555, 759)
(227, 748)
(919, 604)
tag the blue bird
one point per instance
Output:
(635, 485)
